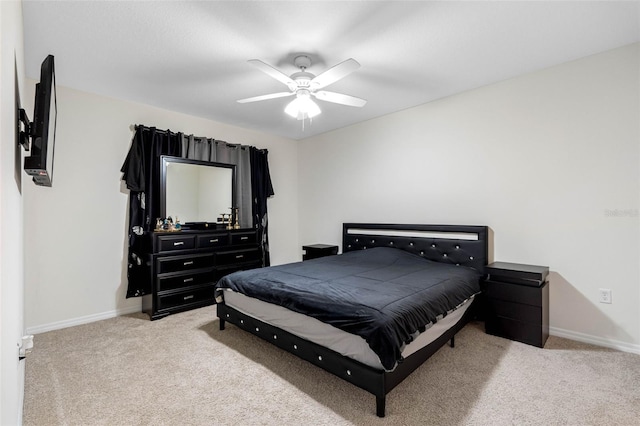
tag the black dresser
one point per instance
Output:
(517, 302)
(186, 265)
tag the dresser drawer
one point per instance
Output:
(532, 334)
(516, 311)
(212, 240)
(175, 242)
(184, 263)
(238, 238)
(515, 293)
(202, 295)
(176, 281)
(237, 256)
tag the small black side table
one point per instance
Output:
(315, 251)
(517, 302)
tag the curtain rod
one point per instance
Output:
(140, 126)
(143, 127)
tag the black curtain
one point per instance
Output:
(261, 189)
(141, 172)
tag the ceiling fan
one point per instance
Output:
(304, 85)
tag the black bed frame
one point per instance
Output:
(441, 243)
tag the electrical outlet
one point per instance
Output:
(605, 295)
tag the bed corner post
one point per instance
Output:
(380, 405)
(220, 315)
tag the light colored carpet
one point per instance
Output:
(181, 370)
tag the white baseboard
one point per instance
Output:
(81, 320)
(595, 340)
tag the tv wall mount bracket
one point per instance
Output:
(24, 129)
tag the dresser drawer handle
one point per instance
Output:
(179, 243)
(187, 280)
(244, 238)
(240, 256)
(213, 241)
(188, 297)
(190, 262)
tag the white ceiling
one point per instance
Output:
(191, 57)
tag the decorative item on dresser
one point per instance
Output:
(413, 285)
(186, 265)
(315, 251)
(517, 302)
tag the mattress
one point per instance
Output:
(346, 344)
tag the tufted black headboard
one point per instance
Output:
(455, 244)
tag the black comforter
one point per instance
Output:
(384, 295)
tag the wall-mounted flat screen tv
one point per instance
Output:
(39, 163)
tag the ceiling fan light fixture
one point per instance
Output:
(302, 106)
(304, 85)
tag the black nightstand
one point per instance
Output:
(315, 251)
(517, 302)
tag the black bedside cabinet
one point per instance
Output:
(517, 302)
(315, 251)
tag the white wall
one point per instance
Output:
(549, 161)
(11, 205)
(75, 232)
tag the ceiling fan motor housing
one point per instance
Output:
(302, 78)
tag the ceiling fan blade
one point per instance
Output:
(271, 71)
(335, 73)
(265, 97)
(339, 98)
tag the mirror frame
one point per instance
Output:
(165, 160)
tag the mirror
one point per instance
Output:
(196, 191)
